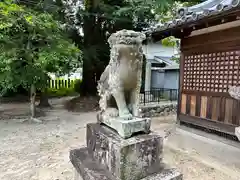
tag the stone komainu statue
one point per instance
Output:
(120, 83)
(234, 92)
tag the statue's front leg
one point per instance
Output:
(134, 102)
(121, 103)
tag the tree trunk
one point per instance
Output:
(32, 101)
(95, 28)
(88, 86)
(44, 99)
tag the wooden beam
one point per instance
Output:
(207, 123)
(216, 28)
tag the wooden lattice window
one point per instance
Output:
(211, 72)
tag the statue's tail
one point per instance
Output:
(103, 96)
(100, 88)
(103, 82)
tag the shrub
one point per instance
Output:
(77, 85)
(67, 87)
(11, 93)
(60, 92)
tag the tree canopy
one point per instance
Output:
(36, 41)
(100, 19)
(33, 44)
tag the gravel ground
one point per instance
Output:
(31, 151)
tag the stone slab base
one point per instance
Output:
(237, 132)
(87, 169)
(126, 128)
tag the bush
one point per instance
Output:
(77, 85)
(60, 92)
(64, 90)
(12, 93)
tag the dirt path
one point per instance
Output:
(40, 151)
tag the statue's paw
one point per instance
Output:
(126, 116)
(112, 112)
(130, 107)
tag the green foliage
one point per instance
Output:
(169, 13)
(141, 12)
(32, 44)
(77, 86)
(176, 59)
(64, 91)
(170, 9)
(13, 92)
(169, 41)
(101, 18)
(73, 89)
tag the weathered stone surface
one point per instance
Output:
(109, 154)
(158, 109)
(237, 132)
(126, 159)
(119, 84)
(88, 169)
(166, 174)
(126, 128)
(234, 91)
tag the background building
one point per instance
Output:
(161, 71)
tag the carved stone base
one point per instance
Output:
(109, 157)
(237, 132)
(86, 168)
(136, 156)
(126, 128)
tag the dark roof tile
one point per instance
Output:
(197, 12)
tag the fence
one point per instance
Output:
(152, 96)
(61, 83)
(158, 95)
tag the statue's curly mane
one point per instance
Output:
(114, 54)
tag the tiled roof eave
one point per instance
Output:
(189, 19)
(170, 31)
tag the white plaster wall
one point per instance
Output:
(157, 79)
(171, 79)
(157, 49)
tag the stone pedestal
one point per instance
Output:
(110, 157)
(237, 132)
(126, 128)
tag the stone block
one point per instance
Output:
(126, 159)
(88, 169)
(126, 128)
(237, 132)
